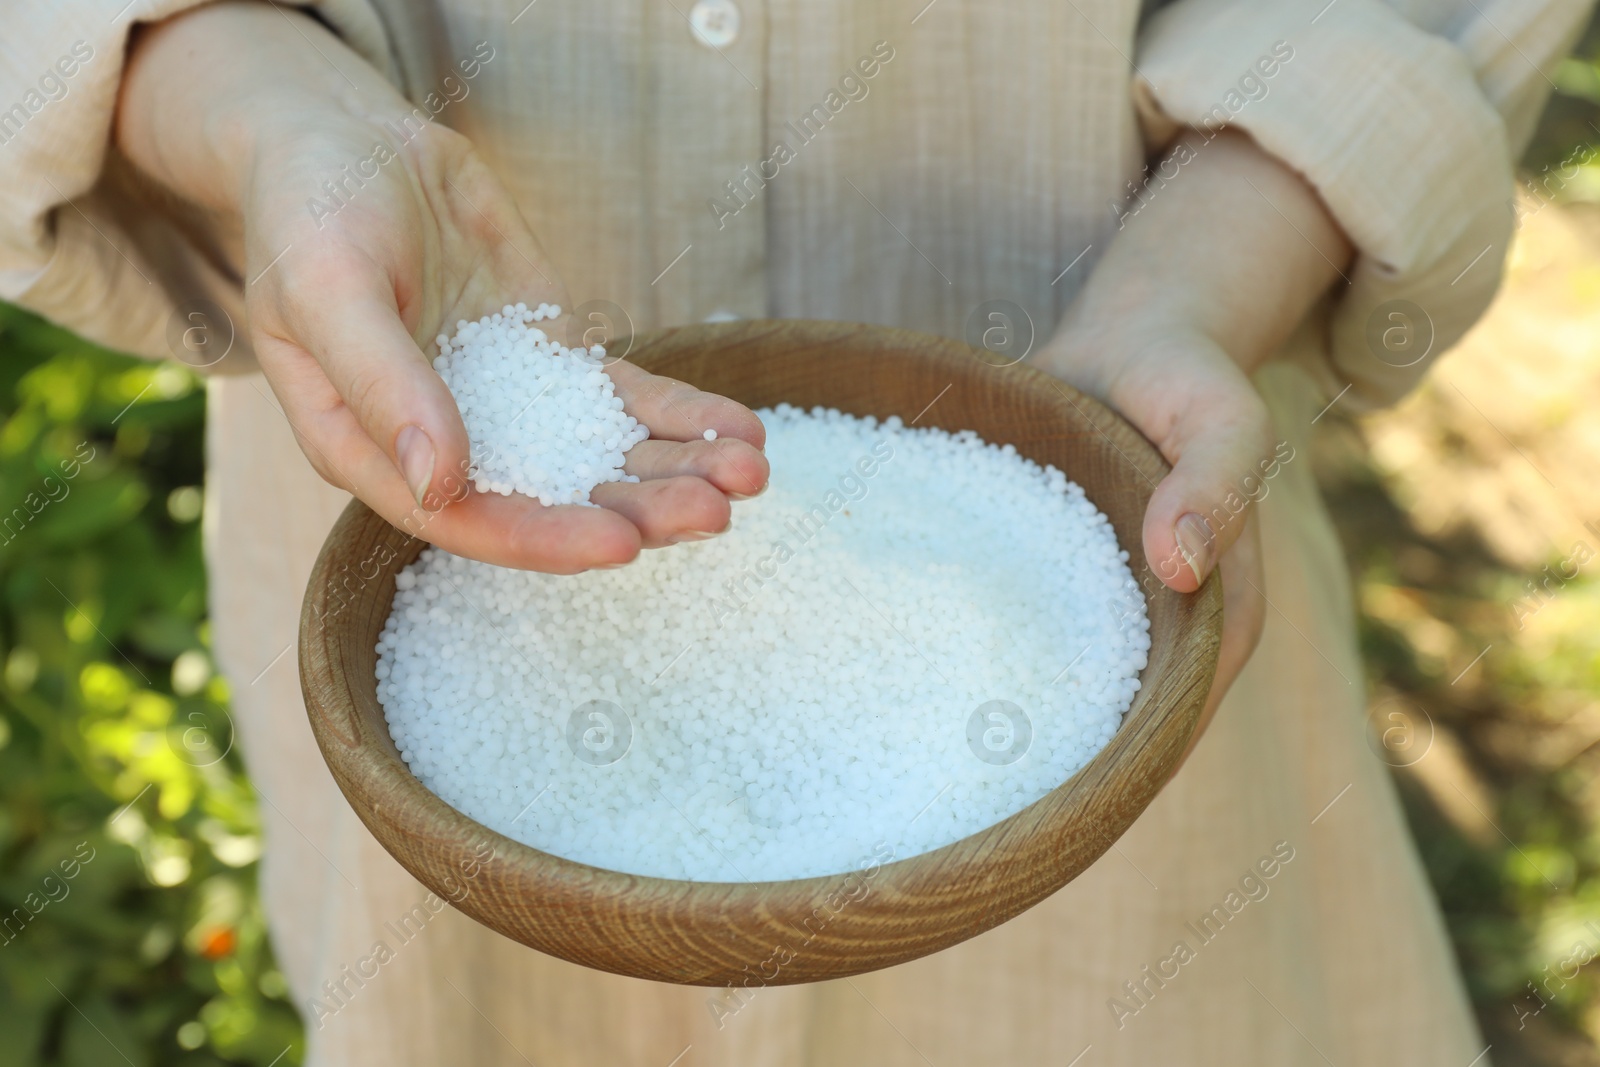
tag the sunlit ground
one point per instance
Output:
(1465, 514)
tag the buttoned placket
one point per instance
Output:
(707, 132)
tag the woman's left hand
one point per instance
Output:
(1202, 284)
(1197, 407)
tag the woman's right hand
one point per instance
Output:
(367, 232)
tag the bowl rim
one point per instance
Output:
(574, 900)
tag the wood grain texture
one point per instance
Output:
(806, 930)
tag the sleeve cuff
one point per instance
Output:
(1387, 122)
(77, 243)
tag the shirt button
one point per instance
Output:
(715, 22)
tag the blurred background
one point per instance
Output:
(1470, 514)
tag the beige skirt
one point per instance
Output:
(1177, 947)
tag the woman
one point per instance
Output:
(1327, 207)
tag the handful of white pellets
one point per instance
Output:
(544, 419)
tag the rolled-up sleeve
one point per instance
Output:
(1405, 117)
(80, 242)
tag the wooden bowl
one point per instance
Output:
(805, 930)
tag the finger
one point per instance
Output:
(518, 531)
(513, 531)
(345, 315)
(677, 411)
(1243, 609)
(1243, 615)
(1224, 456)
(732, 465)
(667, 510)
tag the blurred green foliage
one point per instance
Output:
(1569, 129)
(115, 740)
(1563, 159)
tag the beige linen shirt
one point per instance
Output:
(993, 154)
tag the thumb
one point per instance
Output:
(351, 326)
(1222, 454)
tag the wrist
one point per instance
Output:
(1227, 256)
(212, 93)
(1101, 351)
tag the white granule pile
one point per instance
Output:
(543, 419)
(908, 637)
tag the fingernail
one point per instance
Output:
(1198, 546)
(415, 450)
(690, 535)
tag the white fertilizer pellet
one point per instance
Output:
(910, 636)
(542, 418)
